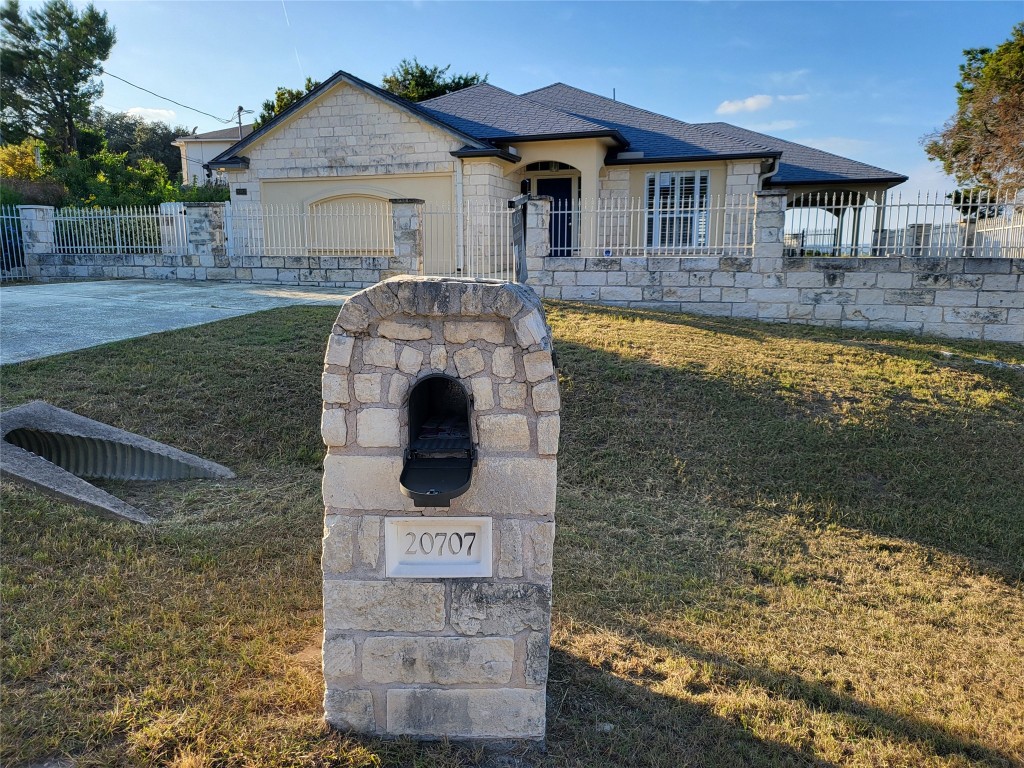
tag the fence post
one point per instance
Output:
(769, 228)
(38, 236)
(207, 240)
(407, 224)
(538, 238)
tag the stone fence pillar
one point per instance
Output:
(538, 237)
(769, 226)
(441, 418)
(38, 235)
(207, 235)
(407, 222)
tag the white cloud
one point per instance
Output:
(790, 78)
(775, 125)
(152, 114)
(749, 104)
(793, 97)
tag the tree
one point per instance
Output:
(106, 179)
(283, 98)
(415, 82)
(139, 138)
(48, 61)
(983, 143)
(18, 161)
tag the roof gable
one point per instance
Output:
(231, 155)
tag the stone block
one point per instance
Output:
(510, 549)
(954, 298)
(546, 397)
(438, 660)
(1014, 299)
(391, 329)
(874, 312)
(334, 388)
(497, 608)
(469, 361)
(505, 432)
(378, 428)
(339, 350)
(368, 540)
(350, 710)
(464, 332)
(339, 659)
(410, 360)
(383, 606)
(507, 713)
(379, 352)
(540, 547)
(920, 297)
(364, 482)
(538, 645)
(398, 389)
(1004, 333)
(483, 393)
(548, 428)
(499, 487)
(972, 315)
(502, 363)
(334, 427)
(353, 317)
(438, 357)
(512, 396)
(538, 365)
(531, 330)
(338, 543)
(367, 387)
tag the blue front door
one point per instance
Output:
(560, 190)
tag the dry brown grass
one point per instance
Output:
(776, 546)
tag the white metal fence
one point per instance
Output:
(329, 229)
(475, 241)
(129, 230)
(12, 254)
(929, 225)
(693, 226)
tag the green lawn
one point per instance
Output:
(776, 545)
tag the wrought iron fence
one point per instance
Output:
(12, 250)
(121, 231)
(692, 226)
(985, 225)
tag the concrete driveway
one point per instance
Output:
(42, 320)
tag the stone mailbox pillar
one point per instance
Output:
(441, 418)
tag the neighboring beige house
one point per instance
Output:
(198, 149)
(348, 140)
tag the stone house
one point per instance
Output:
(350, 141)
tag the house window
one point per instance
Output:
(677, 209)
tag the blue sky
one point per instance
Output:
(862, 79)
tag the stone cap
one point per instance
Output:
(417, 296)
(406, 201)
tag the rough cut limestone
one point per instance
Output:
(433, 658)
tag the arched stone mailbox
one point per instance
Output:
(441, 418)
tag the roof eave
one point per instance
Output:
(562, 136)
(487, 152)
(611, 160)
(891, 180)
(238, 163)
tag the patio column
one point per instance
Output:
(769, 226)
(406, 219)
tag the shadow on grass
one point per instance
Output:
(655, 730)
(940, 474)
(598, 719)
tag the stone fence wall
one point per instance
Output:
(205, 254)
(959, 298)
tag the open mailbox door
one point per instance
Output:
(440, 458)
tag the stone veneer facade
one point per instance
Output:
(432, 658)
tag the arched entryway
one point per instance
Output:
(560, 182)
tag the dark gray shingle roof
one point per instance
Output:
(224, 134)
(653, 134)
(491, 113)
(801, 164)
